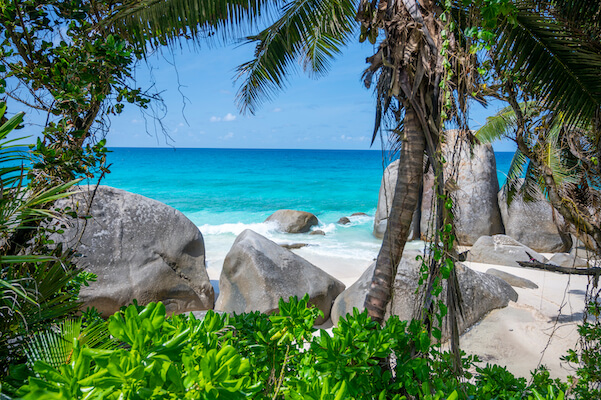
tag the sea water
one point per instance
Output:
(225, 191)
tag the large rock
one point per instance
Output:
(481, 293)
(501, 250)
(513, 280)
(569, 260)
(471, 172)
(385, 200)
(257, 273)
(531, 223)
(140, 249)
(292, 221)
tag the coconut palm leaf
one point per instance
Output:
(55, 344)
(516, 172)
(310, 32)
(497, 126)
(503, 123)
(160, 22)
(552, 58)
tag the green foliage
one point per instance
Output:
(36, 276)
(71, 69)
(587, 383)
(151, 356)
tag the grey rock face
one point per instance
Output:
(294, 246)
(353, 296)
(513, 280)
(476, 209)
(140, 249)
(257, 273)
(474, 173)
(531, 223)
(344, 221)
(481, 293)
(292, 221)
(385, 198)
(501, 250)
(569, 260)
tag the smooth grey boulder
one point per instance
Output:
(532, 223)
(292, 221)
(317, 232)
(257, 273)
(568, 260)
(481, 293)
(513, 280)
(140, 249)
(294, 246)
(353, 296)
(501, 250)
(344, 221)
(385, 197)
(470, 173)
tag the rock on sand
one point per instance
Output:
(140, 249)
(257, 273)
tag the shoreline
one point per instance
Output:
(539, 327)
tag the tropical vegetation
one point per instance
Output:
(73, 60)
(143, 354)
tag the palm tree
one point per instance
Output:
(565, 151)
(407, 65)
(552, 56)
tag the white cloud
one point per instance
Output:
(229, 117)
(228, 136)
(277, 109)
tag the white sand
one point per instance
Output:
(537, 329)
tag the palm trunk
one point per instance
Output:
(404, 202)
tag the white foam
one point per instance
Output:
(263, 228)
(327, 228)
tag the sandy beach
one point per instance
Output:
(537, 329)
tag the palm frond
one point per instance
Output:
(55, 344)
(159, 22)
(497, 127)
(514, 177)
(558, 63)
(532, 184)
(310, 32)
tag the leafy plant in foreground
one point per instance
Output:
(35, 274)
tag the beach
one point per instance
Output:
(224, 192)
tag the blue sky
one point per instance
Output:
(331, 112)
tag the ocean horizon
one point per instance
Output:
(225, 191)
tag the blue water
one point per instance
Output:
(224, 191)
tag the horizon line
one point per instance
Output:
(250, 148)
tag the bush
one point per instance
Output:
(140, 353)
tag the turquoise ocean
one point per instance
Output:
(225, 191)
